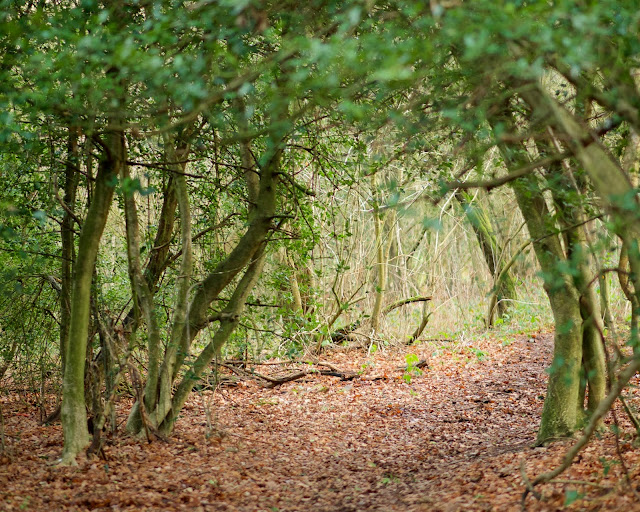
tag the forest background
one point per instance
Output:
(186, 182)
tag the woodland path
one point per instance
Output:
(451, 439)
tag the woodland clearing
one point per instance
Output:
(451, 438)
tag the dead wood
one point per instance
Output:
(242, 363)
(272, 382)
(346, 333)
(420, 364)
(416, 334)
(54, 416)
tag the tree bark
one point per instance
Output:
(160, 251)
(566, 193)
(260, 224)
(559, 415)
(248, 251)
(67, 235)
(142, 293)
(382, 257)
(161, 374)
(505, 286)
(229, 319)
(610, 181)
(74, 417)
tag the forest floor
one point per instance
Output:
(452, 438)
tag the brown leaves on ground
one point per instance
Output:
(453, 438)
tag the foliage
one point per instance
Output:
(320, 146)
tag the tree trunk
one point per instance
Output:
(142, 293)
(161, 374)
(160, 251)
(629, 165)
(568, 190)
(559, 415)
(178, 346)
(297, 306)
(74, 417)
(248, 251)
(610, 181)
(505, 286)
(71, 180)
(382, 256)
(624, 270)
(229, 319)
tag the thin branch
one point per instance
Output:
(168, 169)
(298, 186)
(496, 182)
(173, 257)
(68, 210)
(402, 302)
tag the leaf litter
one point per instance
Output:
(450, 437)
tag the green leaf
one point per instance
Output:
(571, 496)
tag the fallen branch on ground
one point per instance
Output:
(271, 382)
(420, 364)
(345, 333)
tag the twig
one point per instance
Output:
(527, 483)
(581, 482)
(629, 412)
(623, 463)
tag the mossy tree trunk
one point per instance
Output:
(249, 253)
(162, 370)
(67, 235)
(568, 192)
(609, 180)
(228, 321)
(559, 415)
(74, 417)
(505, 287)
(629, 165)
(382, 248)
(178, 344)
(142, 291)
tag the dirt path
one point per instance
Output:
(451, 439)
